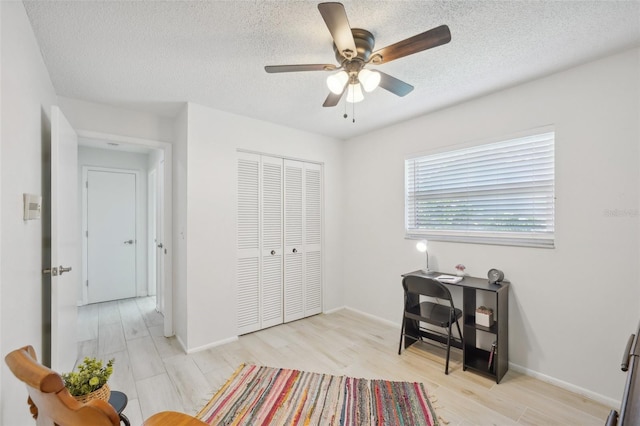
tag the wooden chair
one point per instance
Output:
(51, 404)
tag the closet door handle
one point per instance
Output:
(273, 252)
(295, 250)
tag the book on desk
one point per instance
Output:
(449, 279)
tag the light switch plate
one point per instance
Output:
(32, 206)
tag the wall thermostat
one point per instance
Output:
(32, 206)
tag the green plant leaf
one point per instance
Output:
(91, 376)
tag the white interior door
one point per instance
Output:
(303, 239)
(248, 243)
(160, 249)
(293, 241)
(271, 312)
(64, 242)
(111, 236)
(312, 239)
(259, 242)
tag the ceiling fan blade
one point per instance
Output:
(296, 68)
(333, 99)
(395, 86)
(426, 40)
(335, 17)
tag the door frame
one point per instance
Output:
(159, 260)
(152, 219)
(167, 150)
(85, 224)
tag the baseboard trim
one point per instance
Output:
(208, 345)
(182, 345)
(331, 311)
(611, 402)
(375, 318)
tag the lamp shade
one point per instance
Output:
(354, 93)
(369, 79)
(336, 82)
(421, 246)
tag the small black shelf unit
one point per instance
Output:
(475, 358)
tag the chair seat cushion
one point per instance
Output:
(433, 313)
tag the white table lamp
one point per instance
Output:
(421, 246)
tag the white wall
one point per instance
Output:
(1, 350)
(116, 121)
(180, 203)
(569, 316)
(213, 140)
(27, 97)
(88, 156)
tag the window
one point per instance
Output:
(497, 193)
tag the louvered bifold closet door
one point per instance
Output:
(248, 256)
(312, 239)
(272, 217)
(293, 241)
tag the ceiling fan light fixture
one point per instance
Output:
(336, 82)
(369, 79)
(354, 93)
(353, 49)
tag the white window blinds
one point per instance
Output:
(498, 193)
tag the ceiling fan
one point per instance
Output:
(354, 51)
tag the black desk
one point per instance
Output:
(118, 401)
(473, 357)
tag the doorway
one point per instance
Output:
(155, 204)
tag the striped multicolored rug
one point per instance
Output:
(274, 396)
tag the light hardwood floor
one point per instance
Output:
(157, 375)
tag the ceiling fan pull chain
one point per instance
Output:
(353, 112)
(345, 110)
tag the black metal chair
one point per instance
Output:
(439, 314)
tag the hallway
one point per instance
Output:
(130, 331)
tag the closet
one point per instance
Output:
(279, 260)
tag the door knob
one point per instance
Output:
(53, 271)
(129, 242)
(273, 252)
(295, 250)
(160, 245)
(62, 269)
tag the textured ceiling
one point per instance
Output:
(153, 56)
